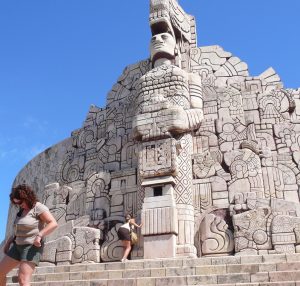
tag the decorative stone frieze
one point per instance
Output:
(206, 155)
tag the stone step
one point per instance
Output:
(258, 269)
(287, 283)
(201, 280)
(132, 283)
(281, 259)
(230, 270)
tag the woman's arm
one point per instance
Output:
(132, 221)
(51, 225)
(8, 243)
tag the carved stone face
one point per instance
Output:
(162, 46)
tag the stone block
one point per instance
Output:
(91, 275)
(246, 284)
(89, 267)
(251, 259)
(218, 196)
(98, 283)
(130, 282)
(197, 261)
(274, 258)
(293, 257)
(115, 274)
(137, 273)
(38, 278)
(226, 260)
(234, 278)
(158, 272)
(57, 277)
(288, 266)
(284, 276)
(83, 267)
(130, 265)
(210, 270)
(171, 281)
(172, 263)
(115, 282)
(267, 267)
(146, 282)
(70, 283)
(152, 264)
(67, 268)
(115, 266)
(42, 270)
(75, 275)
(242, 268)
(260, 277)
(277, 284)
(201, 280)
(185, 271)
(160, 246)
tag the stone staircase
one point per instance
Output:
(262, 270)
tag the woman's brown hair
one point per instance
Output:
(24, 193)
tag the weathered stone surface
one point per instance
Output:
(207, 156)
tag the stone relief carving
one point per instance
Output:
(264, 225)
(186, 137)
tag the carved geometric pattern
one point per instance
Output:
(183, 186)
(160, 124)
(158, 158)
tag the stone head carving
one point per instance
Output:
(162, 46)
(168, 16)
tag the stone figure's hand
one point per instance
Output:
(174, 119)
(37, 241)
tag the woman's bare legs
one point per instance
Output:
(6, 265)
(127, 246)
(25, 272)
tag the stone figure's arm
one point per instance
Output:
(195, 86)
(195, 113)
(179, 120)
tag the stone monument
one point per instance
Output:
(204, 154)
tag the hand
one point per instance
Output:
(174, 119)
(7, 246)
(37, 241)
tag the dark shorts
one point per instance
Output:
(27, 252)
(124, 234)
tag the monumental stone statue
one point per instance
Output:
(204, 154)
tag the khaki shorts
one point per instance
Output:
(27, 252)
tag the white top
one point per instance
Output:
(126, 225)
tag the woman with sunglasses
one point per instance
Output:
(24, 248)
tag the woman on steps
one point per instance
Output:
(24, 248)
(124, 234)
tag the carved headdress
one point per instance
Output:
(168, 16)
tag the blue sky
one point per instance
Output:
(59, 57)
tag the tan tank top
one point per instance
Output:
(28, 226)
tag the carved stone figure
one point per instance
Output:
(265, 225)
(206, 155)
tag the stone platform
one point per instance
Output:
(262, 270)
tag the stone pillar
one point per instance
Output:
(159, 215)
(184, 198)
